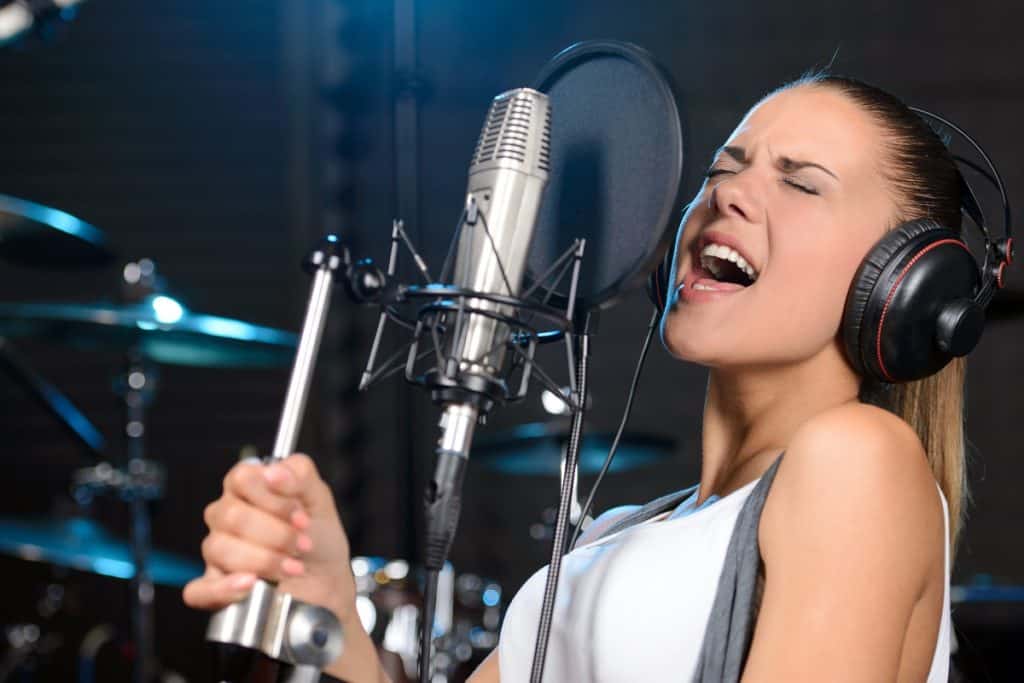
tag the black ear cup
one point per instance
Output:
(911, 307)
(660, 280)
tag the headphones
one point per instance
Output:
(918, 298)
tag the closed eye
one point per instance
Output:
(799, 186)
(790, 181)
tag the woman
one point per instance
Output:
(855, 534)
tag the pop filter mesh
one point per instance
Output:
(616, 168)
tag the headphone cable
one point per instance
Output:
(626, 411)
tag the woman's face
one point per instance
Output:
(797, 194)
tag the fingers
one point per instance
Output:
(247, 481)
(230, 554)
(256, 528)
(238, 518)
(214, 589)
(296, 476)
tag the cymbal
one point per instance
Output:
(160, 328)
(536, 449)
(35, 235)
(82, 544)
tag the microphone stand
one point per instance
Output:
(303, 638)
(465, 398)
(443, 503)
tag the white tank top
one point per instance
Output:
(634, 605)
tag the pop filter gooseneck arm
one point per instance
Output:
(572, 455)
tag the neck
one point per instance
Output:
(751, 414)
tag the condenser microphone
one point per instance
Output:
(506, 181)
(507, 177)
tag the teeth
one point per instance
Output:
(720, 251)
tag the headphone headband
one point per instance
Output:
(998, 253)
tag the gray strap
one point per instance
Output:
(731, 623)
(647, 511)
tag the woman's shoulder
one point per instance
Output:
(868, 446)
(861, 451)
(871, 428)
(857, 478)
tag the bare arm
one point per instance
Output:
(358, 662)
(280, 523)
(851, 535)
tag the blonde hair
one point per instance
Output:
(934, 407)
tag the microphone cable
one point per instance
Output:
(626, 412)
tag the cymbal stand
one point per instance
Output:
(138, 483)
(141, 481)
(143, 485)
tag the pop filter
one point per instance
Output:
(617, 151)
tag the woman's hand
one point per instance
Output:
(280, 523)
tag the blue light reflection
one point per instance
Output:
(167, 310)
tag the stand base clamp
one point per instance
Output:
(296, 633)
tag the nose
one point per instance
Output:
(734, 197)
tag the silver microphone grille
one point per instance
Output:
(506, 140)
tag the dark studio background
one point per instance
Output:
(220, 139)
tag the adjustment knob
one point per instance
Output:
(1005, 250)
(959, 326)
(366, 282)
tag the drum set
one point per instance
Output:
(150, 329)
(147, 328)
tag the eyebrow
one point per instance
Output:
(787, 164)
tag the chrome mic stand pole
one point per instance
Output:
(303, 637)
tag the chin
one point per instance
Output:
(707, 350)
(725, 346)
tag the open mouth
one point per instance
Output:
(722, 268)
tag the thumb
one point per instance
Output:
(214, 589)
